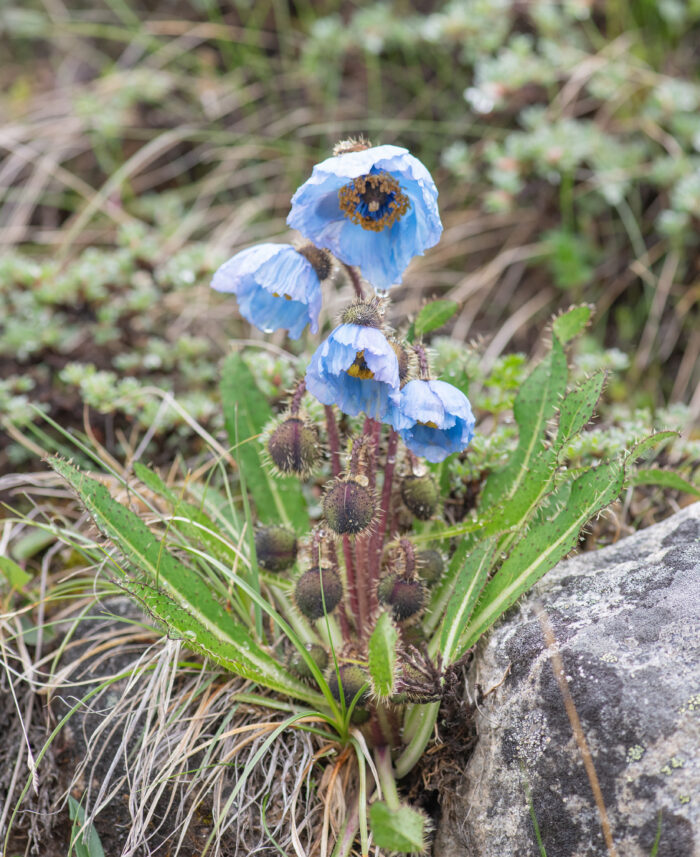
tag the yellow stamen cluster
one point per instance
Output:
(278, 295)
(359, 369)
(373, 191)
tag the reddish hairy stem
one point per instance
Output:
(423, 366)
(295, 404)
(355, 279)
(333, 440)
(372, 430)
(384, 510)
(351, 579)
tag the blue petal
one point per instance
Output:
(381, 256)
(270, 313)
(327, 378)
(238, 269)
(261, 276)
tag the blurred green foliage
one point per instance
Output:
(146, 142)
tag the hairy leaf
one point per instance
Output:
(569, 324)
(470, 581)
(649, 444)
(402, 829)
(665, 478)
(382, 656)
(246, 411)
(177, 596)
(534, 406)
(578, 406)
(544, 544)
(434, 315)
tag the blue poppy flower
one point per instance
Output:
(375, 208)
(356, 369)
(433, 418)
(276, 286)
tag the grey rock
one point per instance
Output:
(626, 621)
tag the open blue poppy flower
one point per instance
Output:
(433, 418)
(276, 286)
(356, 369)
(375, 208)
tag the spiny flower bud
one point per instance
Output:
(348, 507)
(403, 356)
(316, 587)
(421, 495)
(275, 548)
(366, 313)
(300, 668)
(293, 447)
(320, 260)
(406, 597)
(352, 144)
(352, 678)
(430, 565)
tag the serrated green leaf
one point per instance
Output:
(665, 478)
(571, 323)
(177, 596)
(535, 404)
(85, 839)
(470, 581)
(246, 411)
(193, 523)
(578, 406)
(445, 587)
(542, 546)
(382, 656)
(402, 829)
(434, 315)
(648, 444)
(15, 575)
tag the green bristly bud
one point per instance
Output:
(430, 565)
(406, 597)
(421, 495)
(348, 507)
(276, 548)
(320, 260)
(314, 588)
(365, 313)
(300, 668)
(352, 678)
(293, 447)
(403, 356)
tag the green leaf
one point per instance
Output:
(177, 596)
(195, 524)
(434, 315)
(382, 656)
(402, 829)
(246, 411)
(569, 324)
(665, 478)
(86, 840)
(16, 576)
(470, 581)
(535, 404)
(578, 406)
(544, 544)
(645, 447)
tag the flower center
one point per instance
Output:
(374, 201)
(359, 369)
(278, 295)
(429, 424)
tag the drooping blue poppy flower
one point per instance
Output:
(356, 369)
(375, 208)
(276, 286)
(433, 418)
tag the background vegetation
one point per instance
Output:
(143, 142)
